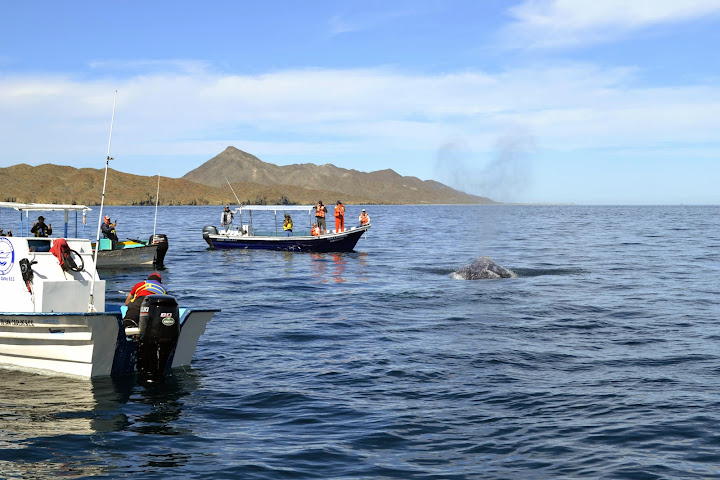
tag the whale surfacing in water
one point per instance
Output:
(483, 267)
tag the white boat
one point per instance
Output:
(55, 319)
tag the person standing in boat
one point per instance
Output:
(320, 211)
(108, 230)
(134, 300)
(40, 229)
(287, 225)
(339, 217)
(364, 217)
(226, 218)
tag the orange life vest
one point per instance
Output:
(364, 219)
(315, 231)
(339, 211)
(320, 211)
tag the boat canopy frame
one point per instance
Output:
(275, 209)
(26, 208)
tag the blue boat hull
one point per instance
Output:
(342, 242)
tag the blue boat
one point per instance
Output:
(249, 236)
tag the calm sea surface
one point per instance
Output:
(601, 360)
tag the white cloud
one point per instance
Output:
(562, 23)
(367, 18)
(325, 116)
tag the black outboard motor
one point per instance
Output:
(162, 242)
(207, 231)
(159, 330)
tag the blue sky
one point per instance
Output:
(588, 102)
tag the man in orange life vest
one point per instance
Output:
(315, 230)
(339, 217)
(138, 293)
(320, 211)
(364, 217)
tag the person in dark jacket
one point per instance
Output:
(40, 229)
(108, 229)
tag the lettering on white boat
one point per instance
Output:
(15, 322)
(7, 255)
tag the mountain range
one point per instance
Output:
(252, 180)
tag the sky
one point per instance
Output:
(522, 101)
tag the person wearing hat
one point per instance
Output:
(364, 217)
(227, 217)
(108, 230)
(339, 217)
(40, 229)
(287, 225)
(320, 211)
(151, 286)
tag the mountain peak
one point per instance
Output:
(382, 186)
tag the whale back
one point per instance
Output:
(482, 268)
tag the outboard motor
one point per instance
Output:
(162, 242)
(207, 231)
(159, 326)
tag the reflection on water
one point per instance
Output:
(337, 263)
(34, 409)
(339, 269)
(318, 267)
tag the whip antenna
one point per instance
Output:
(91, 305)
(157, 198)
(231, 188)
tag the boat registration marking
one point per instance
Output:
(14, 322)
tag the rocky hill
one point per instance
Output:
(254, 182)
(383, 186)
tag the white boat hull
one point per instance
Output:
(85, 344)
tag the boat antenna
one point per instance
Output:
(231, 188)
(91, 305)
(157, 198)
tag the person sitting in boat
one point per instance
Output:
(227, 217)
(108, 230)
(320, 211)
(40, 229)
(287, 225)
(315, 230)
(153, 285)
(364, 217)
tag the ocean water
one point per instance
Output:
(600, 360)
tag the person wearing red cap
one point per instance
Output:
(108, 229)
(151, 286)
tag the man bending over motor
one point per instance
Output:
(138, 293)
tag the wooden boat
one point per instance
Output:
(128, 253)
(54, 318)
(245, 235)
